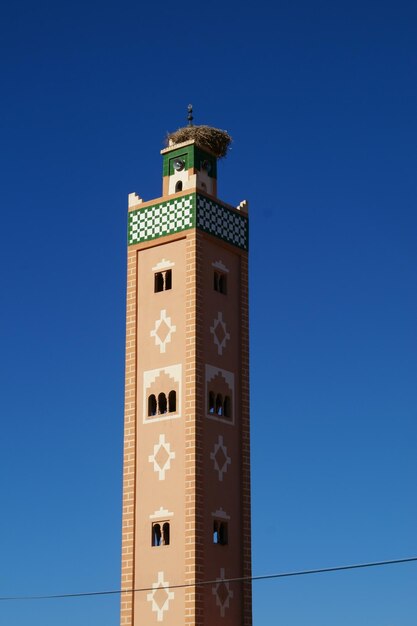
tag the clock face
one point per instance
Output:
(178, 165)
(206, 166)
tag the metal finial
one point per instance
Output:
(190, 115)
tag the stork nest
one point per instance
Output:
(214, 139)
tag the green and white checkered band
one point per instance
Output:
(218, 220)
(161, 219)
(186, 212)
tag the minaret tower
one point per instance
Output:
(186, 485)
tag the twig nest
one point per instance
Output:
(214, 139)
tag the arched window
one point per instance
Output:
(211, 402)
(172, 401)
(178, 186)
(204, 186)
(152, 405)
(220, 533)
(215, 532)
(165, 534)
(168, 279)
(160, 534)
(219, 404)
(223, 533)
(159, 282)
(216, 281)
(162, 403)
(227, 407)
(156, 535)
(220, 282)
(163, 281)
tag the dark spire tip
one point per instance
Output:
(190, 115)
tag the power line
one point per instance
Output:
(322, 570)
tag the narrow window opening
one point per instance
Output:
(172, 401)
(160, 534)
(178, 186)
(227, 407)
(220, 533)
(168, 279)
(215, 532)
(156, 535)
(163, 281)
(165, 534)
(219, 404)
(223, 533)
(159, 282)
(211, 402)
(220, 282)
(204, 186)
(151, 405)
(162, 403)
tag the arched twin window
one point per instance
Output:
(217, 405)
(220, 533)
(163, 281)
(160, 534)
(163, 404)
(220, 282)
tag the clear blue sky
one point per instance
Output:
(321, 100)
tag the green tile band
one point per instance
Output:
(188, 211)
(162, 219)
(220, 221)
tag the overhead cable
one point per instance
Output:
(241, 579)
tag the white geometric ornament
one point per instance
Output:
(163, 331)
(220, 514)
(163, 265)
(161, 457)
(161, 513)
(219, 265)
(222, 592)
(220, 457)
(219, 332)
(160, 597)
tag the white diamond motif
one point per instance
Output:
(158, 606)
(153, 458)
(219, 332)
(170, 328)
(220, 450)
(222, 592)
